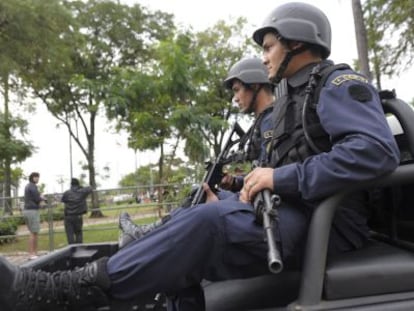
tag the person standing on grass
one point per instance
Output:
(75, 206)
(32, 200)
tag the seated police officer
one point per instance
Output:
(348, 141)
(252, 92)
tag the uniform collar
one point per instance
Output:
(302, 76)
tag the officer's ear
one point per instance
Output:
(294, 45)
(255, 87)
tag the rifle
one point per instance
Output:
(214, 170)
(265, 204)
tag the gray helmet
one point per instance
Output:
(249, 71)
(300, 22)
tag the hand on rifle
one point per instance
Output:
(227, 181)
(257, 180)
(210, 195)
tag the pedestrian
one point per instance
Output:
(221, 239)
(32, 202)
(74, 200)
(253, 93)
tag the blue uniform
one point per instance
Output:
(352, 125)
(221, 240)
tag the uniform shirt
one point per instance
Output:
(265, 129)
(364, 148)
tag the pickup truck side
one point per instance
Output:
(380, 276)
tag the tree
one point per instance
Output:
(204, 122)
(390, 31)
(26, 33)
(179, 96)
(14, 149)
(103, 36)
(143, 101)
(361, 38)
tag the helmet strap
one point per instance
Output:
(253, 103)
(282, 68)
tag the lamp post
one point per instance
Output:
(70, 156)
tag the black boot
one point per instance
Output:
(131, 232)
(26, 289)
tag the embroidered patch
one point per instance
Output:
(360, 93)
(267, 134)
(348, 77)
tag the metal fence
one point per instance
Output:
(144, 203)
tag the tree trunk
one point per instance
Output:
(361, 39)
(160, 178)
(7, 161)
(96, 211)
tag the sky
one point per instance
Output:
(52, 158)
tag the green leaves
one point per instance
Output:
(390, 30)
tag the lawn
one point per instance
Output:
(93, 233)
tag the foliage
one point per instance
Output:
(84, 59)
(99, 37)
(390, 31)
(145, 99)
(13, 148)
(8, 226)
(27, 33)
(204, 122)
(143, 176)
(177, 174)
(179, 95)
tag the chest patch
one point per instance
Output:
(267, 134)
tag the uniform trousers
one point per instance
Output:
(214, 241)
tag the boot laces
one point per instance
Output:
(59, 288)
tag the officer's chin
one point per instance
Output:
(244, 110)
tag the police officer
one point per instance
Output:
(336, 134)
(221, 240)
(253, 93)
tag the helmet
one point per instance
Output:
(300, 22)
(249, 71)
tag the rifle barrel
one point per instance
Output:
(273, 256)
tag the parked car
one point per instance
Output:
(123, 198)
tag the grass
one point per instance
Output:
(92, 233)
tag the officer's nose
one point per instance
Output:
(265, 60)
(235, 101)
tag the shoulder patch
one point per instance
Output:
(360, 93)
(348, 77)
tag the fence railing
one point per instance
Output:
(144, 204)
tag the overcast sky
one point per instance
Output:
(52, 156)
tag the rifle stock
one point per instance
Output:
(214, 170)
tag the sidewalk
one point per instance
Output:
(18, 258)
